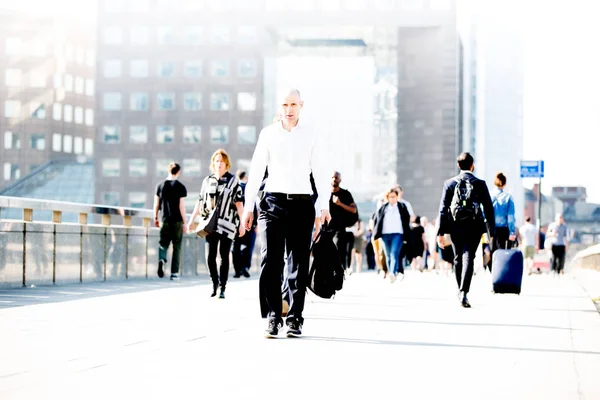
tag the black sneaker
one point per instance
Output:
(174, 277)
(294, 327)
(222, 294)
(273, 329)
(246, 273)
(161, 273)
(237, 275)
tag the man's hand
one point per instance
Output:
(512, 238)
(188, 227)
(156, 223)
(247, 219)
(441, 241)
(185, 228)
(336, 200)
(241, 230)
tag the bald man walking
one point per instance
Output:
(291, 151)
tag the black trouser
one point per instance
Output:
(285, 226)
(171, 232)
(218, 242)
(558, 258)
(464, 243)
(341, 241)
(243, 247)
(500, 242)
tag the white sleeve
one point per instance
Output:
(260, 160)
(319, 171)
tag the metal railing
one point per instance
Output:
(123, 245)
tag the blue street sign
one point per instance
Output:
(532, 169)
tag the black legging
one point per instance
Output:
(558, 258)
(500, 242)
(221, 243)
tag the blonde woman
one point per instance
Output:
(220, 183)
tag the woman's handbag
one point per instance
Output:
(209, 224)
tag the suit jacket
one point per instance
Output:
(404, 215)
(482, 196)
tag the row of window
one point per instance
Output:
(37, 110)
(60, 143)
(138, 167)
(246, 68)
(136, 199)
(15, 46)
(13, 77)
(192, 134)
(170, 35)
(139, 101)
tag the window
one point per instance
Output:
(111, 134)
(243, 164)
(220, 68)
(68, 144)
(112, 101)
(191, 167)
(112, 68)
(219, 134)
(246, 134)
(138, 35)
(57, 112)
(138, 101)
(166, 35)
(89, 147)
(138, 167)
(112, 35)
(194, 35)
(219, 35)
(89, 87)
(165, 134)
(89, 117)
(138, 68)
(69, 83)
(13, 77)
(137, 199)
(247, 35)
(79, 56)
(166, 69)
(138, 134)
(166, 101)
(68, 113)
(162, 167)
(37, 141)
(79, 115)
(247, 68)
(246, 101)
(192, 101)
(110, 198)
(79, 85)
(192, 134)
(13, 46)
(78, 145)
(12, 108)
(11, 141)
(56, 142)
(90, 58)
(111, 167)
(219, 101)
(37, 79)
(11, 171)
(37, 109)
(193, 69)
(57, 81)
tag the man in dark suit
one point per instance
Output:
(461, 217)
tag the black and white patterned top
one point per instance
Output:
(230, 187)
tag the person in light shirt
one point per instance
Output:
(528, 234)
(291, 150)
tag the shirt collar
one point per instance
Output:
(298, 125)
(466, 172)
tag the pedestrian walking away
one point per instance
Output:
(168, 199)
(460, 215)
(224, 185)
(291, 150)
(504, 214)
(558, 242)
(528, 243)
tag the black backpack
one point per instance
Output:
(326, 275)
(464, 206)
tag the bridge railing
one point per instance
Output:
(121, 245)
(588, 258)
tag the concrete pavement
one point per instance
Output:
(408, 340)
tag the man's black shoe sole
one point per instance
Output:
(294, 334)
(271, 335)
(161, 273)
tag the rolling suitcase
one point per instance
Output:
(507, 271)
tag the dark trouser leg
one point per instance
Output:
(212, 245)
(271, 225)
(164, 240)
(299, 229)
(500, 242)
(177, 234)
(465, 245)
(392, 245)
(237, 253)
(558, 258)
(224, 250)
(247, 249)
(339, 239)
(349, 246)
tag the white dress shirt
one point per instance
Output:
(290, 157)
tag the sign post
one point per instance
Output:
(535, 169)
